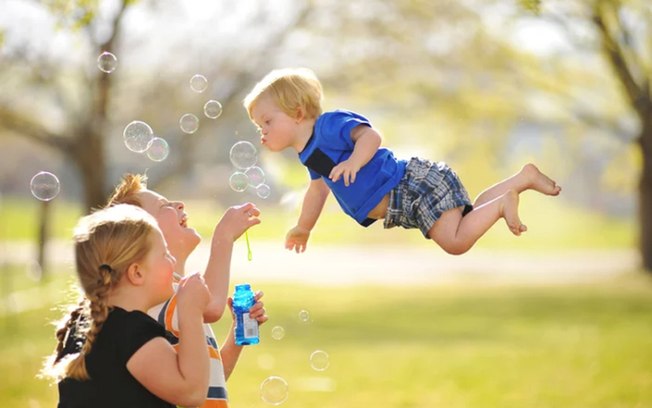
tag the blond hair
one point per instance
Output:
(125, 193)
(106, 242)
(292, 89)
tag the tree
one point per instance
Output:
(622, 33)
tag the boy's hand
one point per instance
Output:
(297, 239)
(193, 293)
(236, 220)
(347, 170)
(257, 311)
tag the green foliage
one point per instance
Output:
(533, 6)
(587, 346)
(75, 14)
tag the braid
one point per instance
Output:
(99, 311)
(64, 331)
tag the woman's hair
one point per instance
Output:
(291, 88)
(125, 192)
(106, 243)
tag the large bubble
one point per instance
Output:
(137, 136)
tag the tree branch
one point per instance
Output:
(637, 96)
(14, 122)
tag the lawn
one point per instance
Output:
(439, 346)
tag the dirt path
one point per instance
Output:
(389, 265)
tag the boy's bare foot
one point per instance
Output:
(539, 181)
(509, 211)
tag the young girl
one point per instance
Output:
(342, 153)
(110, 352)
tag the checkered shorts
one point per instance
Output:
(425, 192)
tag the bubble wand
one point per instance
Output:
(249, 255)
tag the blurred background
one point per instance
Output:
(556, 318)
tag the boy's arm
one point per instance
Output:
(313, 203)
(235, 221)
(367, 141)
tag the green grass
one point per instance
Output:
(441, 346)
(552, 224)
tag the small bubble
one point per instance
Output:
(274, 390)
(189, 123)
(212, 109)
(44, 186)
(263, 191)
(198, 83)
(304, 316)
(256, 176)
(158, 149)
(319, 360)
(107, 62)
(278, 332)
(238, 181)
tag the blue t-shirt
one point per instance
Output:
(331, 144)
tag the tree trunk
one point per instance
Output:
(43, 236)
(90, 160)
(645, 194)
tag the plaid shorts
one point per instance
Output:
(425, 192)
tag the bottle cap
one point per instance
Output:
(242, 286)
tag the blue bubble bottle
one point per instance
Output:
(246, 328)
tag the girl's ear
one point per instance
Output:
(134, 274)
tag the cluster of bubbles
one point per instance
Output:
(44, 186)
(139, 138)
(274, 389)
(244, 156)
(189, 123)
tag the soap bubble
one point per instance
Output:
(304, 316)
(319, 360)
(274, 390)
(238, 181)
(158, 149)
(256, 176)
(278, 332)
(263, 191)
(107, 62)
(212, 109)
(137, 136)
(189, 123)
(44, 186)
(198, 83)
(243, 155)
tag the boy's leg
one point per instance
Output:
(457, 234)
(530, 177)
